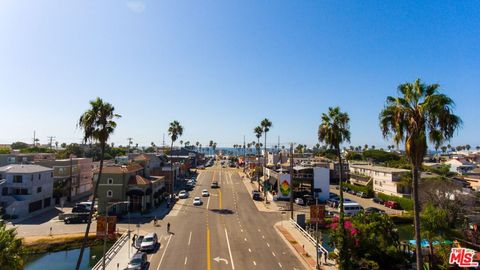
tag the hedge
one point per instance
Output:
(364, 189)
(405, 203)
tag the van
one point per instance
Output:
(351, 208)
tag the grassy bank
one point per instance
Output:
(44, 244)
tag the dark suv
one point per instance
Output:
(80, 209)
(81, 218)
(256, 195)
(215, 185)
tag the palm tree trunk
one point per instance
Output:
(265, 165)
(172, 182)
(343, 255)
(416, 218)
(90, 214)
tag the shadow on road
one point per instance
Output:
(223, 211)
(40, 218)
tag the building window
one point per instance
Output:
(17, 179)
(39, 176)
(109, 193)
(110, 181)
(39, 189)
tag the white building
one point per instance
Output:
(385, 180)
(460, 165)
(25, 189)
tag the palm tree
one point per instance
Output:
(210, 144)
(175, 130)
(365, 147)
(258, 133)
(11, 247)
(477, 147)
(333, 131)
(266, 125)
(420, 112)
(444, 149)
(468, 147)
(214, 146)
(97, 124)
(181, 143)
(197, 144)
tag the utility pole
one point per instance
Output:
(291, 180)
(244, 155)
(50, 139)
(34, 139)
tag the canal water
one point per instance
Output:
(64, 260)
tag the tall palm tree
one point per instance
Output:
(175, 130)
(210, 144)
(97, 124)
(333, 131)
(11, 246)
(258, 133)
(266, 125)
(418, 114)
(197, 144)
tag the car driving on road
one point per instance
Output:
(197, 201)
(215, 185)
(205, 193)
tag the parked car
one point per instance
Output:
(333, 195)
(80, 209)
(205, 193)
(351, 208)
(149, 242)
(377, 200)
(138, 262)
(215, 185)
(333, 202)
(183, 194)
(392, 205)
(81, 218)
(138, 241)
(256, 195)
(299, 201)
(373, 210)
(361, 194)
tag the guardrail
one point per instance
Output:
(308, 236)
(112, 251)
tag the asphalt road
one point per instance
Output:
(226, 232)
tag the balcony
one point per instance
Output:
(359, 179)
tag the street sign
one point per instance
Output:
(317, 213)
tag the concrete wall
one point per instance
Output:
(321, 180)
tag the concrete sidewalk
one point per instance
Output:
(271, 206)
(301, 246)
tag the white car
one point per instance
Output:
(299, 201)
(197, 201)
(183, 194)
(149, 242)
(205, 193)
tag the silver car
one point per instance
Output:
(149, 242)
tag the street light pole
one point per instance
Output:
(106, 230)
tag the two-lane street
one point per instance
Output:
(225, 232)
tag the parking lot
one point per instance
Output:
(364, 202)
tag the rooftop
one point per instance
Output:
(117, 169)
(22, 168)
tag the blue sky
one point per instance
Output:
(219, 67)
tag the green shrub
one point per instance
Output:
(405, 203)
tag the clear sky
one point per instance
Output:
(219, 67)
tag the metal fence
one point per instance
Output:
(309, 236)
(112, 252)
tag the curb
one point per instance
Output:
(300, 257)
